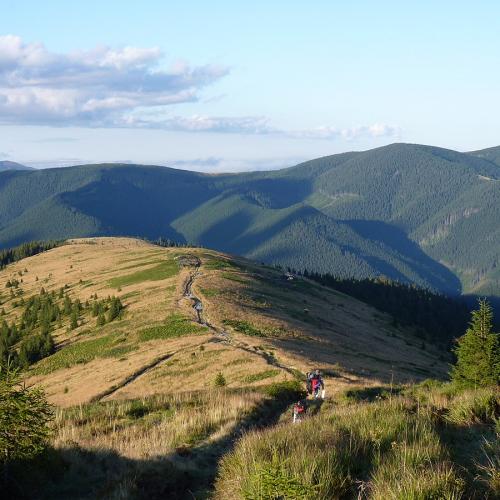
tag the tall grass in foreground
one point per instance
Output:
(390, 449)
(165, 446)
(155, 426)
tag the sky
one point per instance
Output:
(229, 86)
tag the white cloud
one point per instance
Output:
(375, 130)
(226, 165)
(91, 88)
(255, 125)
(127, 88)
(258, 125)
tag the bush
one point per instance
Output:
(36, 348)
(220, 380)
(289, 390)
(332, 455)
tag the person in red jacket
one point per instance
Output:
(299, 411)
(317, 385)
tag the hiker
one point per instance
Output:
(317, 385)
(299, 411)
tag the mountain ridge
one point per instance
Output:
(405, 211)
(6, 165)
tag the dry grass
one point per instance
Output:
(301, 324)
(153, 427)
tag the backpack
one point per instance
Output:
(315, 383)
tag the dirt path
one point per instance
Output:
(131, 378)
(143, 370)
(220, 332)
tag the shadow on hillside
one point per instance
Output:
(437, 275)
(236, 234)
(188, 473)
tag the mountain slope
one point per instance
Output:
(12, 165)
(256, 327)
(491, 154)
(409, 212)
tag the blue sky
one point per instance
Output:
(226, 85)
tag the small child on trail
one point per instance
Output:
(299, 411)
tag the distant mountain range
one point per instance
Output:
(413, 213)
(12, 165)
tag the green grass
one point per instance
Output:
(256, 377)
(173, 327)
(248, 329)
(244, 327)
(143, 263)
(364, 447)
(166, 269)
(83, 352)
(217, 264)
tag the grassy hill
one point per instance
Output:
(256, 327)
(409, 212)
(170, 397)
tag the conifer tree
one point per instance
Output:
(478, 351)
(74, 320)
(101, 319)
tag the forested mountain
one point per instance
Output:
(12, 165)
(412, 213)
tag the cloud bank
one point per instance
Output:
(91, 88)
(260, 125)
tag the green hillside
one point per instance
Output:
(412, 213)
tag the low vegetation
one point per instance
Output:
(399, 447)
(229, 434)
(174, 326)
(162, 271)
(83, 352)
(158, 447)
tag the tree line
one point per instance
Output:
(10, 255)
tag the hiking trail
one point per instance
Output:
(198, 306)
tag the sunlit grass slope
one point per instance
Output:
(262, 328)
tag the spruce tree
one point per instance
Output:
(74, 320)
(101, 319)
(478, 351)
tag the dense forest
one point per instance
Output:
(24, 250)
